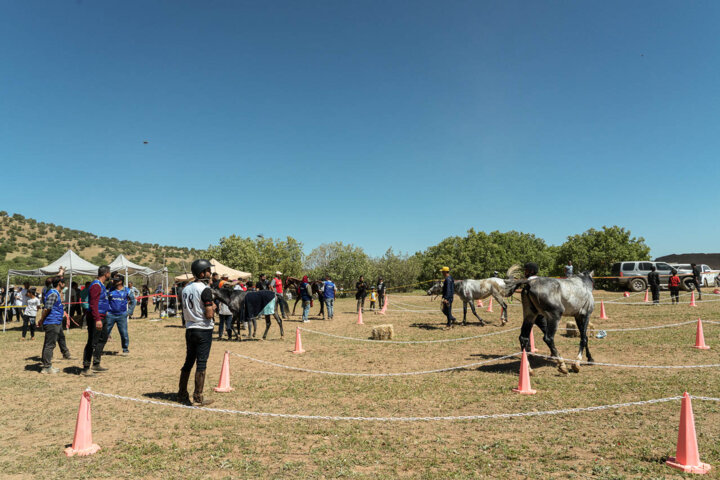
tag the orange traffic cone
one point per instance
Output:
(700, 338)
(716, 291)
(360, 322)
(603, 315)
(82, 443)
(524, 383)
(298, 342)
(480, 304)
(224, 383)
(626, 294)
(490, 305)
(687, 457)
(384, 308)
(647, 300)
(532, 342)
(692, 300)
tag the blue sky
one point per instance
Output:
(375, 123)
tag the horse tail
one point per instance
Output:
(512, 285)
(514, 272)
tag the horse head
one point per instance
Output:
(587, 279)
(436, 289)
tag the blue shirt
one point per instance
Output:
(304, 292)
(118, 300)
(103, 304)
(329, 289)
(55, 316)
(448, 289)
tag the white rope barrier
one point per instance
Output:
(400, 419)
(409, 342)
(620, 365)
(346, 374)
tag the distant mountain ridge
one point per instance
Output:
(710, 259)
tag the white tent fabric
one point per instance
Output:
(73, 263)
(122, 264)
(218, 267)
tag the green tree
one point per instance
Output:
(344, 263)
(261, 255)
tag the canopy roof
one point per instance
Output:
(122, 264)
(74, 265)
(218, 267)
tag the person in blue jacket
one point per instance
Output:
(448, 292)
(118, 299)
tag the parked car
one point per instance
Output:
(707, 277)
(633, 275)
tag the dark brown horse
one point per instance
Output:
(318, 288)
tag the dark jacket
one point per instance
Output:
(361, 288)
(448, 289)
(654, 279)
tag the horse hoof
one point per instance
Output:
(575, 368)
(563, 369)
(531, 372)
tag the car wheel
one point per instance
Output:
(637, 285)
(688, 284)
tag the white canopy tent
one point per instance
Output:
(73, 263)
(218, 267)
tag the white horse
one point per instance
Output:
(471, 290)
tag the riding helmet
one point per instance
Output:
(199, 266)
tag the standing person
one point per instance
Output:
(654, 282)
(75, 307)
(225, 278)
(373, 298)
(51, 323)
(329, 292)
(133, 303)
(448, 293)
(144, 301)
(360, 294)
(96, 323)
(30, 313)
(276, 285)
(674, 287)
(19, 301)
(569, 269)
(381, 292)
(198, 312)
(306, 297)
(262, 283)
(697, 278)
(215, 283)
(225, 322)
(85, 305)
(117, 313)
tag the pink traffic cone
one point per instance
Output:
(603, 315)
(646, 300)
(489, 309)
(224, 383)
(687, 456)
(532, 342)
(700, 338)
(692, 300)
(626, 294)
(480, 304)
(360, 322)
(524, 383)
(298, 342)
(384, 308)
(82, 443)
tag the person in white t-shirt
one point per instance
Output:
(198, 313)
(32, 303)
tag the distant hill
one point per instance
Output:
(710, 259)
(26, 243)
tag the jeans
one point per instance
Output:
(28, 321)
(306, 310)
(52, 335)
(330, 303)
(381, 300)
(361, 303)
(121, 320)
(197, 343)
(97, 338)
(226, 323)
(655, 289)
(447, 310)
(131, 308)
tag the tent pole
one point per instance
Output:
(7, 287)
(69, 300)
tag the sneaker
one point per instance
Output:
(87, 372)
(49, 370)
(125, 353)
(99, 368)
(68, 357)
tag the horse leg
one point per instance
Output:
(322, 307)
(252, 326)
(268, 322)
(279, 321)
(472, 307)
(464, 313)
(525, 337)
(584, 339)
(549, 338)
(297, 299)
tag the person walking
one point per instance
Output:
(674, 287)
(360, 294)
(654, 283)
(198, 314)
(381, 292)
(96, 323)
(697, 278)
(117, 313)
(144, 302)
(306, 297)
(569, 269)
(30, 313)
(448, 293)
(329, 292)
(133, 302)
(51, 323)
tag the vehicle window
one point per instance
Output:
(645, 265)
(662, 266)
(627, 267)
(705, 268)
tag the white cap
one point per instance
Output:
(278, 273)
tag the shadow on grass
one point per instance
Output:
(36, 358)
(36, 367)
(112, 353)
(173, 326)
(428, 326)
(169, 397)
(75, 370)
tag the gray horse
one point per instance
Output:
(545, 300)
(234, 300)
(471, 290)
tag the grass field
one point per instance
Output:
(153, 441)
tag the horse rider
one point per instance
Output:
(448, 292)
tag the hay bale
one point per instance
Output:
(383, 332)
(572, 331)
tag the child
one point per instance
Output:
(674, 287)
(30, 313)
(373, 298)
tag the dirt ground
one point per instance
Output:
(141, 440)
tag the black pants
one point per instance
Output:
(28, 322)
(19, 310)
(75, 310)
(361, 303)
(698, 283)
(53, 335)
(197, 342)
(447, 310)
(655, 290)
(143, 310)
(95, 343)
(675, 294)
(381, 300)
